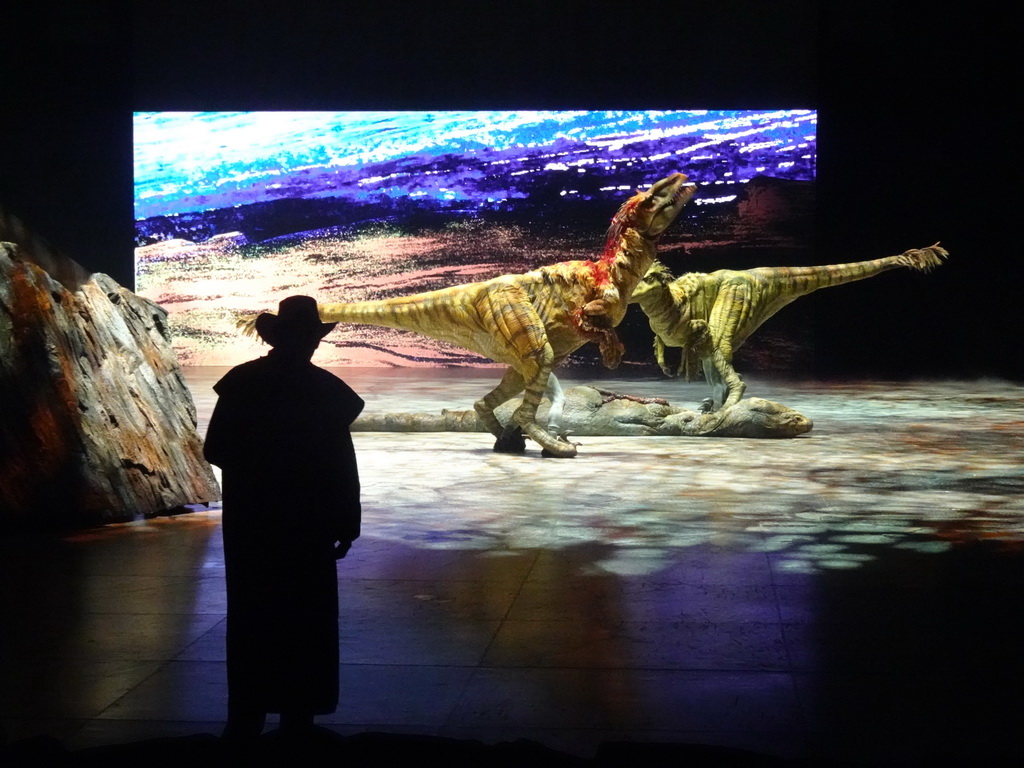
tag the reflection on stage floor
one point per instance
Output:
(854, 592)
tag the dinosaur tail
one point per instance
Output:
(803, 280)
(419, 313)
(424, 313)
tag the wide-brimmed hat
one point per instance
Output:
(297, 322)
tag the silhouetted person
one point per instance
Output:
(280, 434)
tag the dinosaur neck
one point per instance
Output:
(629, 258)
(622, 222)
(658, 305)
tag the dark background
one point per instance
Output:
(914, 140)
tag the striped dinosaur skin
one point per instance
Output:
(532, 321)
(711, 315)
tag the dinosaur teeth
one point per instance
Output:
(684, 188)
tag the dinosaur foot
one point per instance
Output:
(511, 440)
(549, 455)
(558, 448)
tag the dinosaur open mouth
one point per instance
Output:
(688, 187)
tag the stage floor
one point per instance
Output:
(855, 592)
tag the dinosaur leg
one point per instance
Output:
(727, 387)
(526, 414)
(660, 358)
(730, 316)
(520, 339)
(719, 391)
(509, 439)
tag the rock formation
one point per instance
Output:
(96, 423)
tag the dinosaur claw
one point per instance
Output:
(564, 450)
(557, 446)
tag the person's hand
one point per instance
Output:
(341, 549)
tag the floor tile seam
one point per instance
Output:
(778, 603)
(803, 708)
(782, 629)
(157, 669)
(494, 636)
(451, 718)
(198, 639)
(775, 575)
(511, 604)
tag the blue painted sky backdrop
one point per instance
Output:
(209, 160)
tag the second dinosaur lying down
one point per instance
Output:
(591, 411)
(711, 315)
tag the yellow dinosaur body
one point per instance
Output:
(710, 315)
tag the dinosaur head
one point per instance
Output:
(650, 213)
(658, 276)
(770, 419)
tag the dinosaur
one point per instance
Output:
(533, 321)
(711, 315)
(592, 411)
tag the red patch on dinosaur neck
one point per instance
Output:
(600, 271)
(621, 221)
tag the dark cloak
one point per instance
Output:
(279, 433)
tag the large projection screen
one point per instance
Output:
(236, 210)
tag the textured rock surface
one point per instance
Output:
(97, 423)
(590, 411)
